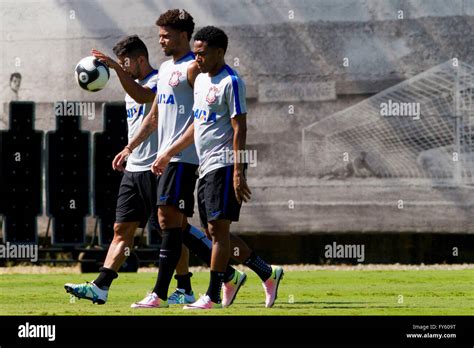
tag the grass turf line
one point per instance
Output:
(326, 292)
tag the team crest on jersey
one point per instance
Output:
(212, 95)
(174, 79)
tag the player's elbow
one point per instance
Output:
(141, 100)
(240, 129)
(144, 96)
(239, 123)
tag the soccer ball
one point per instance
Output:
(91, 74)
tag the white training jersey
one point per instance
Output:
(217, 99)
(175, 103)
(144, 154)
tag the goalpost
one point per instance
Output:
(419, 128)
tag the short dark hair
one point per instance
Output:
(214, 37)
(15, 74)
(131, 46)
(177, 19)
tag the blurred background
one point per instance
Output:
(329, 167)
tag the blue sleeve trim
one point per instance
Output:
(235, 87)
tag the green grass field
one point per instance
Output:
(326, 292)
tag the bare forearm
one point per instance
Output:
(239, 124)
(242, 191)
(138, 93)
(240, 137)
(147, 127)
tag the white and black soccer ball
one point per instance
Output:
(91, 74)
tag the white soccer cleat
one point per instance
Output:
(87, 290)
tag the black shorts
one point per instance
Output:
(176, 186)
(137, 198)
(216, 196)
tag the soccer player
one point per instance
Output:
(219, 127)
(136, 203)
(172, 111)
(176, 184)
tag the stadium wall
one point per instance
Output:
(280, 58)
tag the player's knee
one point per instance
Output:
(123, 232)
(218, 230)
(169, 217)
(167, 222)
(211, 231)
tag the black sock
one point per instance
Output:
(229, 273)
(215, 286)
(105, 278)
(184, 282)
(169, 256)
(201, 246)
(256, 264)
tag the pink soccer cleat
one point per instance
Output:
(204, 302)
(151, 301)
(231, 288)
(271, 286)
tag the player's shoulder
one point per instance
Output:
(232, 76)
(189, 58)
(153, 76)
(193, 65)
(150, 80)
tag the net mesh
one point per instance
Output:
(420, 128)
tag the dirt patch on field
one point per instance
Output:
(40, 269)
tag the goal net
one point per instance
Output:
(420, 128)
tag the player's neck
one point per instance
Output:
(217, 69)
(184, 51)
(148, 69)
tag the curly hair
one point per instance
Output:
(131, 46)
(214, 37)
(177, 19)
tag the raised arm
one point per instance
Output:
(140, 94)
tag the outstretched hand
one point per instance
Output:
(106, 59)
